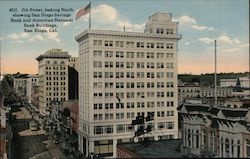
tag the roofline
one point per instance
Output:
(85, 33)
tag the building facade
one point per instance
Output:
(53, 78)
(31, 83)
(19, 85)
(214, 131)
(123, 75)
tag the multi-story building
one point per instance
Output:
(73, 78)
(221, 91)
(19, 85)
(215, 131)
(53, 78)
(123, 75)
(31, 83)
(188, 91)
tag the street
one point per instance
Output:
(32, 144)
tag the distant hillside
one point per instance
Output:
(208, 79)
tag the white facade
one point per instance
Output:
(20, 86)
(31, 82)
(53, 78)
(123, 75)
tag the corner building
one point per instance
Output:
(123, 75)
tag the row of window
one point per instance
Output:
(164, 31)
(133, 94)
(55, 83)
(111, 64)
(55, 88)
(55, 73)
(130, 44)
(130, 115)
(122, 54)
(131, 105)
(55, 68)
(133, 84)
(132, 74)
(55, 62)
(55, 93)
(108, 129)
(55, 78)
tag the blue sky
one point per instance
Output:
(200, 23)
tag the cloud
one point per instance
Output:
(104, 14)
(186, 20)
(221, 39)
(206, 40)
(13, 36)
(191, 22)
(107, 17)
(66, 23)
(237, 41)
(225, 39)
(1, 38)
(244, 45)
(197, 27)
(35, 38)
(24, 35)
(232, 50)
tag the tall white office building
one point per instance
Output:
(53, 78)
(123, 75)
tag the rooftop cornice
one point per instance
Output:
(125, 34)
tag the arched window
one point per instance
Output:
(62, 62)
(48, 62)
(55, 62)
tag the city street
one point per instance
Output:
(32, 144)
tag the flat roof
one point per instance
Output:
(156, 149)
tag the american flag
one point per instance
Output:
(83, 11)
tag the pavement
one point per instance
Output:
(33, 144)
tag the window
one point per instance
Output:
(97, 42)
(169, 46)
(119, 44)
(159, 30)
(108, 43)
(119, 54)
(160, 45)
(150, 45)
(130, 54)
(169, 31)
(130, 44)
(140, 44)
(108, 53)
(104, 147)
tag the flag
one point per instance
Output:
(83, 11)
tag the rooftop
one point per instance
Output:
(155, 149)
(54, 53)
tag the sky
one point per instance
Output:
(200, 23)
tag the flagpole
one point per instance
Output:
(90, 15)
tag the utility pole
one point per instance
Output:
(215, 75)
